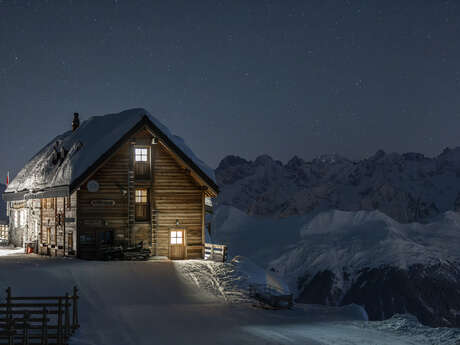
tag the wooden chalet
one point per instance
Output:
(118, 179)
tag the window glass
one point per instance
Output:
(176, 237)
(141, 196)
(141, 154)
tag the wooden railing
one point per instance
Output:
(215, 252)
(38, 320)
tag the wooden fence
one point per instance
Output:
(38, 320)
(215, 252)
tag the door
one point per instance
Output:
(87, 246)
(177, 244)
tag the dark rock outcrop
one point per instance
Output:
(432, 293)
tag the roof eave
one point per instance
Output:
(182, 155)
(52, 192)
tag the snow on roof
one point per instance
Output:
(68, 156)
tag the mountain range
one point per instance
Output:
(382, 232)
(407, 187)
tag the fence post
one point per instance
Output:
(8, 303)
(59, 327)
(75, 324)
(212, 252)
(45, 327)
(9, 317)
(25, 334)
(11, 332)
(67, 316)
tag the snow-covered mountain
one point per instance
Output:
(2, 203)
(382, 232)
(407, 187)
(363, 257)
(370, 259)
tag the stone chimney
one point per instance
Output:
(75, 122)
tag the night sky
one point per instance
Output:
(236, 77)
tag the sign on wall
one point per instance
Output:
(102, 203)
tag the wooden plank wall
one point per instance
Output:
(58, 242)
(176, 196)
(113, 179)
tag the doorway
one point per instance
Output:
(177, 244)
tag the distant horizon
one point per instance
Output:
(284, 162)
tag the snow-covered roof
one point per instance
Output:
(68, 156)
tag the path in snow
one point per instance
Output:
(153, 303)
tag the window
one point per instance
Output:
(142, 205)
(141, 154)
(177, 237)
(141, 196)
(48, 203)
(142, 163)
(22, 217)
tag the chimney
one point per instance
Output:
(75, 122)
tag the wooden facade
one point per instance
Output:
(140, 191)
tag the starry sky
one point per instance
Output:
(281, 77)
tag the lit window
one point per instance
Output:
(176, 237)
(141, 155)
(142, 205)
(141, 196)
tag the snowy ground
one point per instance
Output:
(194, 302)
(4, 251)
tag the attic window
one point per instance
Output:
(141, 155)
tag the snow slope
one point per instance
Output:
(338, 240)
(127, 303)
(407, 187)
(69, 155)
(257, 238)
(363, 257)
(230, 281)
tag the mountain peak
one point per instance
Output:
(263, 160)
(230, 161)
(331, 158)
